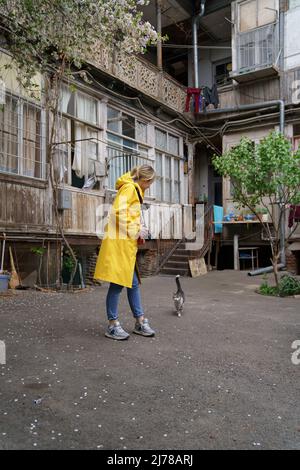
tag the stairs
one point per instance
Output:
(178, 262)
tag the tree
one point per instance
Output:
(267, 175)
(56, 38)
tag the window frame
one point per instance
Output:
(74, 123)
(21, 102)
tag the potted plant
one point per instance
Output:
(263, 214)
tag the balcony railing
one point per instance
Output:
(257, 49)
(142, 75)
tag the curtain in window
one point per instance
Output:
(62, 151)
(92, 150)
(86, 108)
(78, 165)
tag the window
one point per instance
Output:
(258, 36)
(222, 72)
(167, 166)
(80, 129)
(256, 13)
(294, 3)
(22, 138)
(127, 147)
(125, 124)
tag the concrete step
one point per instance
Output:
(179, 258)
(180, 252)
(177, 264)
(175, 271)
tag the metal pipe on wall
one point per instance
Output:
(159, 30)
(195, 42)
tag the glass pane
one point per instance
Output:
(113, 119)
(66, 99)
(294, 3)
(173, 145)
(31, 141)
(158, 164)
(141, 131)
(168, 167)
(176, 193)
(161, 139)
(9, 135)
(128, 126)
(266, 12)
(158, 188)
(248, 14)
(167, 191)
(176, 170)
(86, 108)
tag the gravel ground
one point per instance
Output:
(219, 377)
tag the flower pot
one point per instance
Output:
(264, 217)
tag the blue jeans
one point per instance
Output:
(134, 299)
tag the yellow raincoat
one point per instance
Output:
(117, 256)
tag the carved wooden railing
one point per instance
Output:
(142, 75)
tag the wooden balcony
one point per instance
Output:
(141, 75)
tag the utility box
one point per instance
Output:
(64, 199)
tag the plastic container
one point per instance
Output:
(4, 280)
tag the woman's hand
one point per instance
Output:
(144, 232)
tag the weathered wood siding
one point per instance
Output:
(84, 217)
(24, 208)
(250, 93)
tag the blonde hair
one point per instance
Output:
(143, 172)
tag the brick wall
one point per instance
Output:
(91, 261)
(151, 255)
(292, 262)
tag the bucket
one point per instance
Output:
(4, 280)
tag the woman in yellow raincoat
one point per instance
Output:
(116, 261)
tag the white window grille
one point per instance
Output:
(258, 48)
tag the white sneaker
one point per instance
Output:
(116, 332)
(143, 329)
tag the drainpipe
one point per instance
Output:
(248, 107)
(159, 30)
(195, 41)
